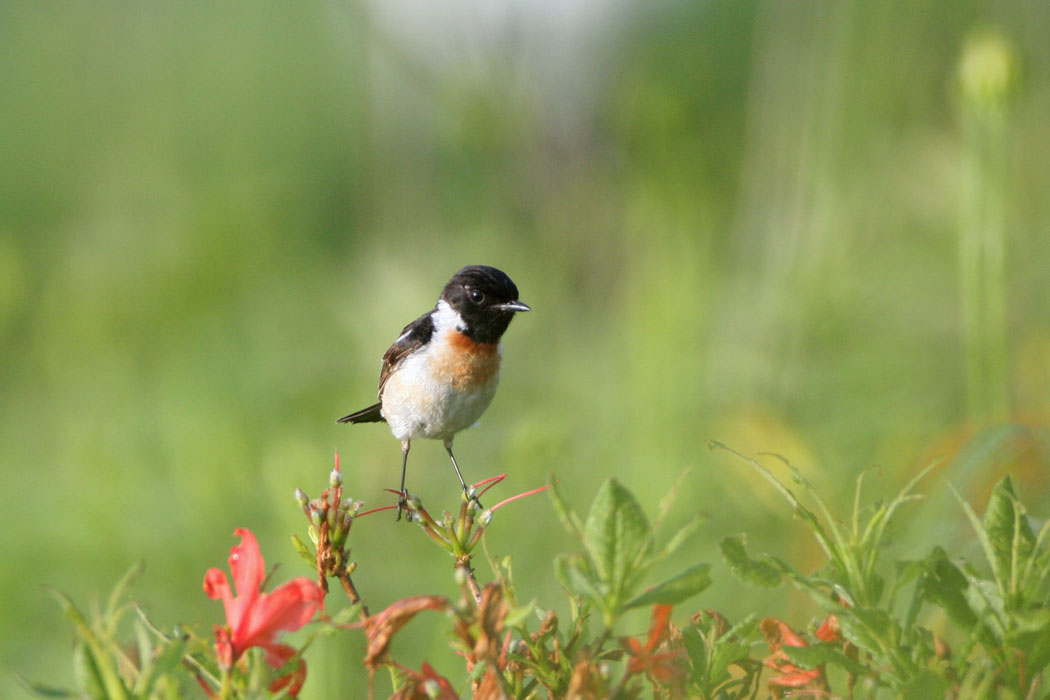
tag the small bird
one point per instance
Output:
(441, 373)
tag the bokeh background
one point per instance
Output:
(814, 228)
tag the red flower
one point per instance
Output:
(256, 619)
(829, 630)
(659, 666)
(779, 635)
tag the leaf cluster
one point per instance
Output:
(1001, 618)
(937, 626)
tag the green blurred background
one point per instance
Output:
(815, 228)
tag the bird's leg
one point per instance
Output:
(466, 491)
(405, 444)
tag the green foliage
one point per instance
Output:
(720, 656)
(618, 544)
(1006, 616)
(756, 573)
(875, 639)
(1010, 609)
(107, 667)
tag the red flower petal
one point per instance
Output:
(829, 630)
(223, 647)
(777, 634)
(278, 655)
(247, 565)
(795, 679)
(660, 666)
(658, 625)
(254, 618)
(216, 585)
(289, 607)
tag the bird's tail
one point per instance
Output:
(372, 414)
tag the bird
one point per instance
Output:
(441, 373)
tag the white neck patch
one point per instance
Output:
(446, 318)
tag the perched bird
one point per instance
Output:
(441, 373)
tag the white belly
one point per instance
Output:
(427, 396)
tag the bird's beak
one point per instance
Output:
(514, 306)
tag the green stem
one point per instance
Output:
(226, 690)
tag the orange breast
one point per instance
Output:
(467, 364)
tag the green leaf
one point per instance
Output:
(1031, 639)
(566, 514)
(120, 591)
(945, 586)
(304, 552)
(1038, 568)
(924, 685)
(870, 629)
(71, 610)
(696, 649)
(801, 512)
(86, 673)
(823, 653)
(348, 614)
(713, 650)
(834, 545)
(568, 571)
(874, 532)
(617, 534)
(98, 664)
(46, 691)
(167, 660)
(145, 655)
(1010, 536)
(669, 499)
(983, 597)
(675, 590)
(982, 536)
(517, 615)
(814, 586)
(748, 570)
(678, 538)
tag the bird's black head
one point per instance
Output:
(486, 299)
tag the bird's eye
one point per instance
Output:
(476, 296)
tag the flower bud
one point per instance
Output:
(461, 573)
(335, 478)
(301, 498)
(987, 68)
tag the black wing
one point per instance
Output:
(413, 336)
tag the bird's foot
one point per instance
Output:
(471, 496)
